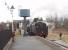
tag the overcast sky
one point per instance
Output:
(38, 8)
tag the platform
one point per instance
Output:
(28, 43)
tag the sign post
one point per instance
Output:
(24, 13)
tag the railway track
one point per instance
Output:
(53, 44)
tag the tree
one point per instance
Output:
(41, 19)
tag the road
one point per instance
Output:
(29, 43)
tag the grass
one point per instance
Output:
(65, 38)
(53, 36)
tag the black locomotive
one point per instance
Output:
(38, 28)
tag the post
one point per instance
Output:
(12, 23)
(24, 25)
(11, 9)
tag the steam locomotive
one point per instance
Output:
(38, 29)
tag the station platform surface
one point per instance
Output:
(28, 43)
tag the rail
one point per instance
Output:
(52, 44)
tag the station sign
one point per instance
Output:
(24, 12)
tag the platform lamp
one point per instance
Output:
(11, 10)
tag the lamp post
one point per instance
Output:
(11, 10)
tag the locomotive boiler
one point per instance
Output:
(38, 29)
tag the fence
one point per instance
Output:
(5, 36)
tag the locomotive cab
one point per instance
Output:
(38, 29)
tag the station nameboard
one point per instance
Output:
(24, 12)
